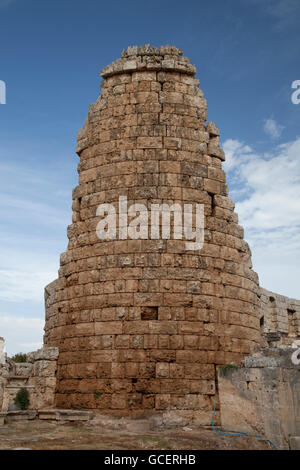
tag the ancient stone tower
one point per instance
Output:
(141, 324)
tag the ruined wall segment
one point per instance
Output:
(280, 319)
(37, 375)
(141, 324)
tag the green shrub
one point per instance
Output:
(97, 395)
(22, 399)
(19, 357)
(224, 370)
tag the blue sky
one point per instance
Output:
(247, 56)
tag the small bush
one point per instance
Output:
(224, 370)
(97, 395)
(19, 357)
(22, 399)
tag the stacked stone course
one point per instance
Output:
(142, 324)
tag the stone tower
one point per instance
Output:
(141, 324)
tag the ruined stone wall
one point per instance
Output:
(43, 377)
(141, 324)
(264, 396)
(280, 320)
(38, 376)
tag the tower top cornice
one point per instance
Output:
(166, 58)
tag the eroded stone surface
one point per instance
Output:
(263, 397)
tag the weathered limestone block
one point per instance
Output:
(263, 397)
(44, 368)
(23, 369)
(43, 354)
(295, 443)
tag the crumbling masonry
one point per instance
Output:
(142, 325)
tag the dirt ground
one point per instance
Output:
(39, 435)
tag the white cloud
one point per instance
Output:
(31, 346)
(32, 197)
(19, 285)
(267, 188)
(21, 334)
(235, 152)
(35, 211)
(33, 232)
(27, 265)
(272, 128)
(284, 12)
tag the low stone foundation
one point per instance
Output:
(52, 415)
(261, 397)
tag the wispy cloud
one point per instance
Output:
(31, 194)
(272, 181)
(235, 150)
(267, 190)
(33, 231)
(284, 12)
(31, 346)
(22, 334)
(272, 128)
(21, 284)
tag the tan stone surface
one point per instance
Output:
(263, 397)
